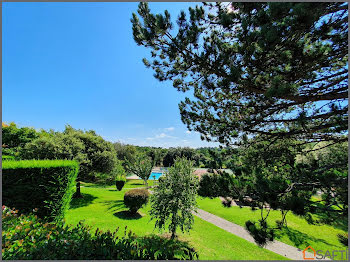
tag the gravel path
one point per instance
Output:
(275, 246)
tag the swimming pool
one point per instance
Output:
(155, 175)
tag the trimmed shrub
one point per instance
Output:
(134, 199)
(8, 157)
(120, 182)
(30, 238)
(44, 184)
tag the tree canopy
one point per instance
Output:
(90, 150)
(274, 69)
(174, 199)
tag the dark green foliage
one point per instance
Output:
(27, 237)
(174, 199)
(344, 239)
(91, 151)
(327, 165)
(44, 184)
(119, 184)
(217, 184)
(260, 232)
(178, 152)
(160, 248)
(279, 69)
(134, 199)
(209, 186)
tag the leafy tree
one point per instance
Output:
(91, 151)
(278, 69)
(174, 153)
(174, 198)
(124, 152)
(140, 165)
(14, 138)
(156, 155)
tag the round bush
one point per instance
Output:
(134, 199)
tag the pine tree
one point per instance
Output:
(274, 69)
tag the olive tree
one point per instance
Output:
(140, 165)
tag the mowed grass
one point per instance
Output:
(129, 184)
(103, 208)
(299, 233)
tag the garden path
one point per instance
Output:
(275, 246)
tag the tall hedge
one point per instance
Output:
(47, 185)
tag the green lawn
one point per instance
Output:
(103, 207)
(299, 233)
(130, 183)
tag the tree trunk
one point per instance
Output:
(77, 193)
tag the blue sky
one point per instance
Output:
(77, 64)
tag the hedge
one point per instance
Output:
(6, 157)
(47, 185)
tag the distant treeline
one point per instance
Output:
(94, 154)
(208, 157)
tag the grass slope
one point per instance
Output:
(299, 233)
(103, 207)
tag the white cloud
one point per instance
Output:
(163, 135)
(169, 128)
(188, 132)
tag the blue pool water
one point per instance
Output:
(155, 175)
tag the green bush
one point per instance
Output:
(216, 184)
(162, 248)
(120, 182)
(7, 157)
(134, 199)
(44, 184)
(28, 237)
(209, 185)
